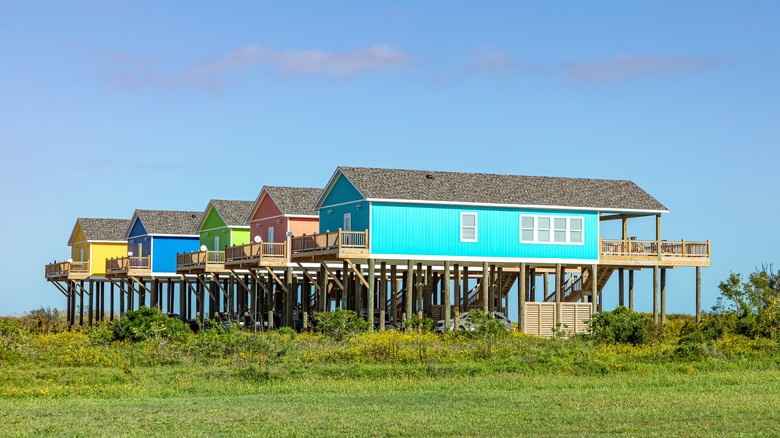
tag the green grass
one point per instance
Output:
(216, 400)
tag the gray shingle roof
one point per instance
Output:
(459, 187)
(170, 222)
(234, 213)
(294, 200)
(103, 229)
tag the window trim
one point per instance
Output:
(568, 230)
(475, 227)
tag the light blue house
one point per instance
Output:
(470, 217)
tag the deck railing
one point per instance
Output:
(200, 258)
(64, 268)
(649, 248)
(123, 264)
(330, 240)
(274, 250)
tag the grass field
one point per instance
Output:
(210, 400)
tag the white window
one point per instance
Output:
(271, 234)
(551, 229)
(468, 227)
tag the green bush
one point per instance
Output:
(754, 303)
(149, 323)
(622, 325)
(339, 324)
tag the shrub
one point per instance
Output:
(755, 303)
(149, 323)
(339, 324)
(12, 336)
(622, 325)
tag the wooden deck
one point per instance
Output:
(255, 255)
(331, 246)
(60, 271)
(654, 253)
(200, 261)
(128, 267)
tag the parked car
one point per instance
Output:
(465, 322)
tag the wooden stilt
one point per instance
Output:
(546, 277)
(289, 298)
(456, 286)
(663, 298)
(394, 293)
(522, 283)
(464, 303)
(621, 290)
(382, 295)
(446, 293)
(81, 303)
(631, 289)
(419, 285)
(558, 294)
(111, 301)
(655, 294)
(370, 301)
(485, 287)
(698, 294)
(91, 295)
(532, 292)
(594, 288)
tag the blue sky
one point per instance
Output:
(108, 106)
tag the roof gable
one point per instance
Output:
(479, 188)
(156, 222)
(340, 189)
(98, 229)
(233, 213)
(291, 201)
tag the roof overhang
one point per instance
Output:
(538, 207)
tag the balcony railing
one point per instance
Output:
(200, 258)
(60, 269)
(250, 251)
(650, 249)
(126, 264)
(337, 240)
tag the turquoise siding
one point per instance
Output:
(434, 230)
(342, 191)
(335, 220)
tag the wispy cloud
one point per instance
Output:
(613, 70)
(151, 71)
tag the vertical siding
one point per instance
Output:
(239, 236)
(260, 228)
(435, 230)
(207, 238)
(102, 251)
(301, 226)
(145, 240)
(335, 220)
(165, 250)
(138, 229)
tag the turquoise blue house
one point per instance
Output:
(471, 217)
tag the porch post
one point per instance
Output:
(371, 285)
(698, 294)
(446, 289)
(485, 287)
(631, 289)
(522, 282)
(655, 294)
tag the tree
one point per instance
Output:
(755, 302)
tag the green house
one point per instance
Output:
(224, 223)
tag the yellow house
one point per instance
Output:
(95, 240)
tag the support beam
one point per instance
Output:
(446, 288)
(663, 298)
(409, 291)
(277, 279)
(382, 295)
(357, 272)
(631, 289)
(594, 288)
(621, 288)
(332, 276)
(485, 286)
(655, 294)
(558, 294)
(370, 301)
(457, 287)
(394, 292)
(698, 294)
(522, 282)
